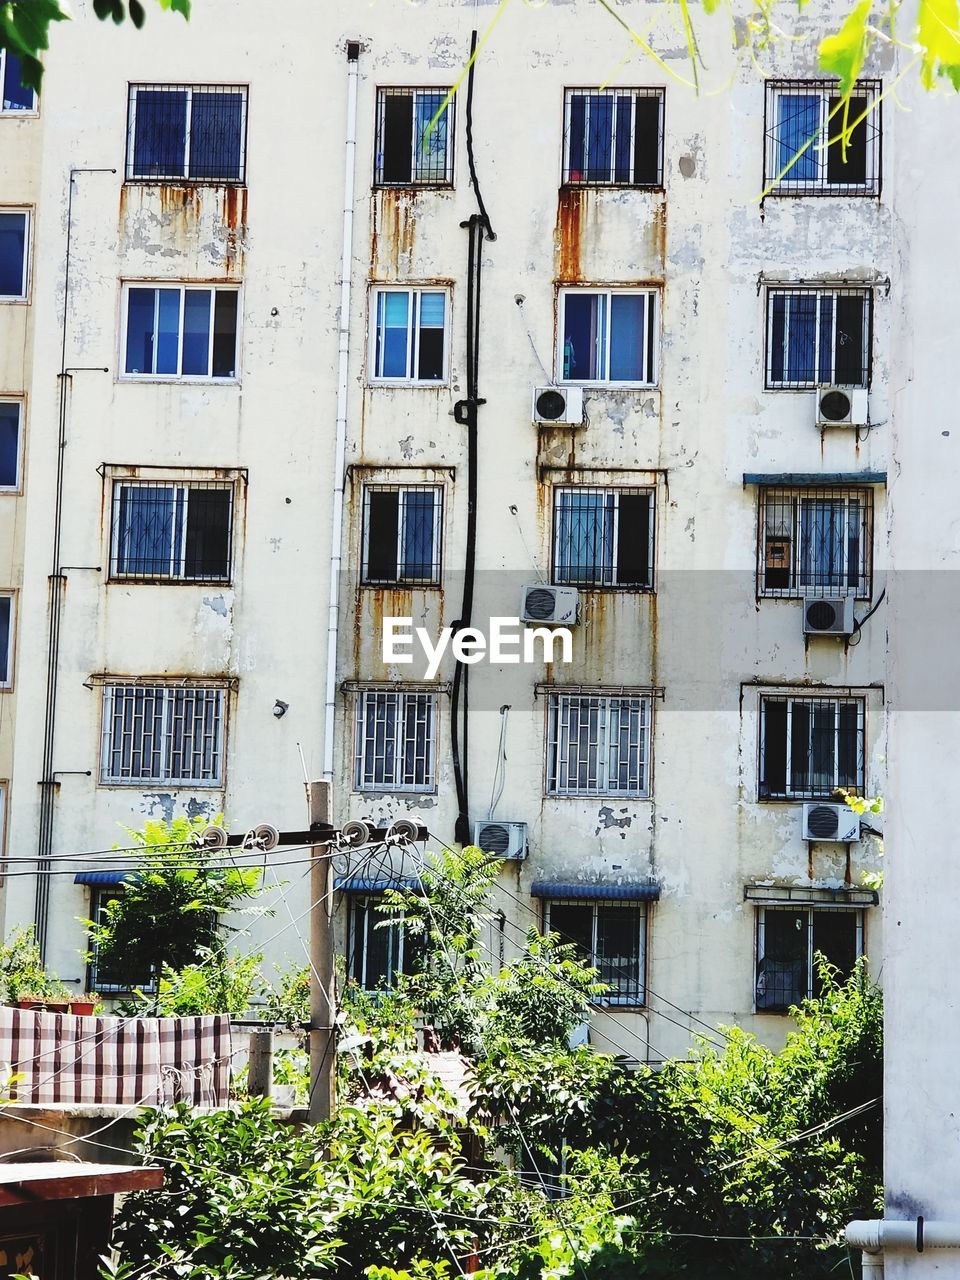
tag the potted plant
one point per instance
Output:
(43, 1003)
(84, 1004)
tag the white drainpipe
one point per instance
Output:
(878, 1234)
(340, 453)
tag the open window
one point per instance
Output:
(402, 531)
(610, 936)
(789, 940)
(414, 145)
(166, 530)
(818, 336)
(811, 746)
(815, 146)
(603, 537)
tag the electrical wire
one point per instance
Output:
(500, 772)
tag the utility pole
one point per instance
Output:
(323, 1031)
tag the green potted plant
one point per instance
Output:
(84, 1004)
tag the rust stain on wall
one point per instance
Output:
(659, 233)
(571, 213)
(393, 230)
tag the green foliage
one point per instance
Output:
(288, 999)
(543, 996)
(21, 969)
(217, 983)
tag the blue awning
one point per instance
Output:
(812, 479)
(623, 891)
(103, 877)
(372, 886)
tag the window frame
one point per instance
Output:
(631, 93)
(811, 910)
(165, 779)
(810, 794)
(367, 904)
(413, 333)
(211, 287)
(403, 488)
(7, 678)
(605, 491)
(651, 334)
(14, 113)
(17, 487)
(383, 93)
(100, 895)
(25, 276)
(789, 291)
(775, 90)
(428, 786)
(770, 497)
(119, 483)
(636, 997)
(134, 88)
(560, 698)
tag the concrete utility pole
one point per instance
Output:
(323, 1032)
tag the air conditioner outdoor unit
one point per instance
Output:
(841, 406)
(836, 822)
(505, 839)
(552, 605)
(558, 406)
(828, 616)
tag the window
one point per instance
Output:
(414, 145)
(181, 531)
(163, 733)
(410, 335)
(16, 96)
(10, 414)
(610, 936)
(195, 133)
(6, 640)
(14, 252)
(177, 331)
(788, 940)
(810, 747)
(613, 137)
(395, 740)
(401, 533)
(816, 542)
(114, 977)
(598, 745)
(805, 153)
(378, 947)
(603, 537)
(608, 336)
(817, 336)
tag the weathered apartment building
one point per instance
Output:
(646, 384)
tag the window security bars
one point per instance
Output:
(169, 733)
(177, 331)
(6, 641)
(14, 253)
(402, 527)
(598, 745)
(186, 133)
(10, 414)
(817, 336)
(603, 537)
(805, 154)
(414, 145)
(410, 335)
(164, 530)
(788, 941)
(395, 740)
(608, 336)
(815, 542)
(611, 937)
(613, 137)
(811, 747)
(114, 978)
(16, 97)
(377, 951)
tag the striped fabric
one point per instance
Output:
(121, 1061)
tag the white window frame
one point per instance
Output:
(619, 96)
(177, 559)
(395, 784)
(559, 706)
(13, 113)
(17, 486)
(27, 213)
(368, 904)
(6, 678)
(820, 186)
(609, 579)
(773, 500)
(651, 320)
(593, 905)
(189, 89)
(383, 92)
(165, 776)
(809, 910)
(402, 489)
(821, 379)
(413, 332)
(183, 286)
(808, 795)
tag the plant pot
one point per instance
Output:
(82, 1008)
(44, 1004)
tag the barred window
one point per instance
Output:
(16, 97)
(613, 137)
(163, 733)
(182, 132)
(6, 640)
(115, 977)
(402, 526)
(805, 150)
(410, 335)
(378, 947)
(414, 143)
(603, 537)
(395, 747)
(11, 412)
(788, 942)
(598, 745)
(609, 936)
(608, 336)
(179, 331)
(817, 336)
(810, 747)
(815, 542)
(14, 253)
(176, 531)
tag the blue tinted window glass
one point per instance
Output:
(145, 530)
(16, 97)
(5, 614)
(584, 317)
(418, 525)
(160, 133)
(141, 307)
(13, 248)
(392, 332)
(196, 331)
(168, 330)
(626, 337)
(599, 137)
(431, 310)
(778, 321)
(584, 536)
(802, 338)
(430, 144)
(216, 136)
(798, 119)
(9, 444)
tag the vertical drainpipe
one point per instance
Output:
(343, 369)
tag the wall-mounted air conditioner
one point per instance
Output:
(558, 406)
(841, 406)
(551, 605)
(836, 822)
(504, 839)
(828, 616)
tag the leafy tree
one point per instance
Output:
(21, 969)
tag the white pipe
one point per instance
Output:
(340, 452)
(876, 1234)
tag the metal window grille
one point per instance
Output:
(402, 533)
(603, 537)
(608, 336)
(414, 144)
(114, 978)
(178, 331)
(811, 747)
(163, 733)
(377, 947)
(171, 531)
(804, 131)
(815, 542)
(410, 334)
(819, 336)
(186, 133)
(14, 252)
(395, 740)
(788, 941)
(609, 936)
(598, 745)
(6, 641)
(613, 137)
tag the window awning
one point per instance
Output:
(773, 895)
(623, 891)
(813, 479)
(103, 877)
(356, 885)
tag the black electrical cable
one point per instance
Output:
(491, 235)
(858, 626)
